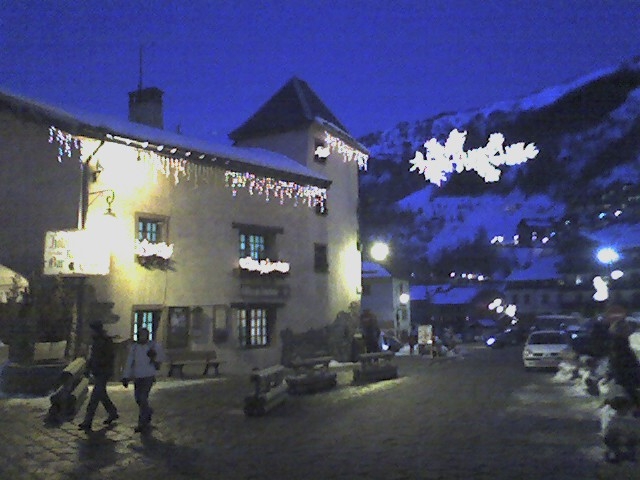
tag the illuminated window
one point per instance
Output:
(253, 246)
(149, 319)
(320, 259)
(152, 229)
(257, 241)
(254, 325)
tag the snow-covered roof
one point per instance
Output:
(445, 294)
(374, 270)
(256, 160)
(538, 268)
(418, 292)
(486, 322)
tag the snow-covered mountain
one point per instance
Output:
(588, 169)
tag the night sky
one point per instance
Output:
(374, 63)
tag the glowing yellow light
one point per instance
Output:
(379, 251)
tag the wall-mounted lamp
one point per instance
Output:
(110, 197)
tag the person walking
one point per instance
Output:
(624, 367)
(100, 365)
(143, 361)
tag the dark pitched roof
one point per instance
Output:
(294, 106)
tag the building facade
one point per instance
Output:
(387, 298)
(211, 247)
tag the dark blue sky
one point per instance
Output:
(374, 63)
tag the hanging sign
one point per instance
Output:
(75, 253)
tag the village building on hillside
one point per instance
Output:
(624, 239)
(211, 247)
(535, 284)
(387, 298)
(461, 308)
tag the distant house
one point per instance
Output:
(455, 306)
(624, 238)
(533, 231)
(535, 284)
(387, 297)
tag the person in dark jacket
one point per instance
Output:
(370, 331)
(100, 365)
(624, 368)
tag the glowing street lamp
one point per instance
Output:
(379, 251)
(607, 256)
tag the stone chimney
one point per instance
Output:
(145, 107)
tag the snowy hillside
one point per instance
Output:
(457, 220)
(588, 135)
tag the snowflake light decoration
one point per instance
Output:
(440, 160)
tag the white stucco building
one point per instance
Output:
(210, 246)
(387, 298)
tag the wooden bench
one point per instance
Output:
(269, 390)
(177, 359)
(374, 367)
(70, 394)
(311, 375)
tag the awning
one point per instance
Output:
(7, 277)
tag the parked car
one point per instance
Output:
(508, 337)
(544, 349)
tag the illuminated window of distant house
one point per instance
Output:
(254, 325)
(320, 259)
(146, 318)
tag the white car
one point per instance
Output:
(545, 348)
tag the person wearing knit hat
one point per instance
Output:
(100, 365)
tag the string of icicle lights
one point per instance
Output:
(309, 195)
(348, 153)
(67, 143)
(177, 168)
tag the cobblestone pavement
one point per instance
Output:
(475, 417)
